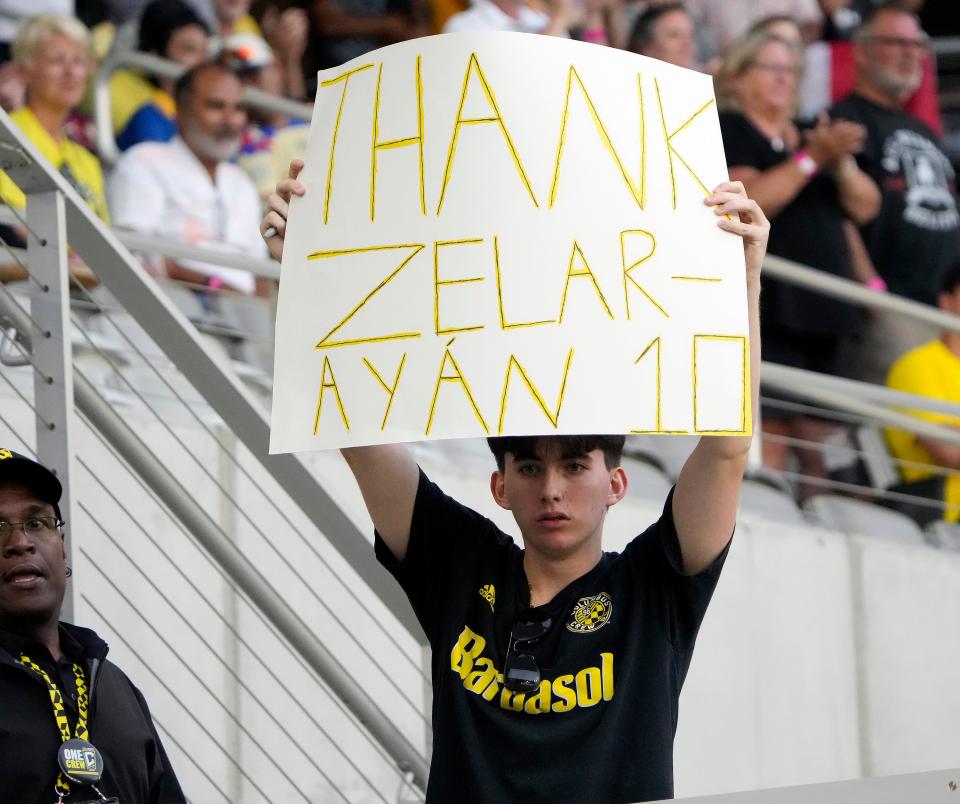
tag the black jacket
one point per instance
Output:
(136, 768)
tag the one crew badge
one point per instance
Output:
(80, 762)
(590, 614)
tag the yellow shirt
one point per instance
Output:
(930, 370)
(84, 168)
(247, 24)
(269, 166)
(128, 92)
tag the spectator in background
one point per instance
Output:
(53, 57)
(186, 190)
(345, 29)
(602, 23)
(271, 141)
(666, 32)
(720, 24)
(933, 370)
(807, 183)
(13, 13)
(173, 30)
(234, 17)
(555, 19)
(916, 236)
(842, 17)
(286, 30)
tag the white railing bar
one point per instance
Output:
(865, 390)
(137, 241)
(796, 382)
(849, 291)
(946, 45)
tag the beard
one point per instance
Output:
(894, 84)
(218, 145)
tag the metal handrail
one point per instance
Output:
(847, 290)
(119, 58)
(129, 283)
(136, 241)
(842, 394)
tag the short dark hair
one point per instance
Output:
(645, 28)
(951, 279)
(522, 447)
(161, 19)
(184, 86)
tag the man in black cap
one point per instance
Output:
(73, 727)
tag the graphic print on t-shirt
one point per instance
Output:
(489, 593)
(928, 174)
(590, 614)
(568, 691)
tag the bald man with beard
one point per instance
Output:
(187, 191)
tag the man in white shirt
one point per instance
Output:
(516, 15)
(186, 191)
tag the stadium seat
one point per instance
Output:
(760, 499)
(646, 480)
(944, 535)
(666, 451)
(856, 516)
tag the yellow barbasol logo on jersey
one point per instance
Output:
(565, 693)
(590, 614)
(488, 593)
(5, 453)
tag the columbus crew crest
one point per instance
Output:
(590, 614)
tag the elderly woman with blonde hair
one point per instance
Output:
(806, 180)
(52, 55)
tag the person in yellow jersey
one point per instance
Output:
(933, 370)
(53, 55)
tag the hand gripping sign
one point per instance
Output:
(505, 234)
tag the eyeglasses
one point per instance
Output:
(34, 526)
(777, 69)
(922, 44)
(520, 670)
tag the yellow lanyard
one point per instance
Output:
(60, 714)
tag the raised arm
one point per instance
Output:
(708, 488)
(387, 474)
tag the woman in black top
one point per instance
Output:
(808, 184)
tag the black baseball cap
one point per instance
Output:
(17, 468)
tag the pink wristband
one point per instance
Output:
(596, 35)
(877, 284)
(807, 164)
(214, 283)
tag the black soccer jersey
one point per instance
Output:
(600, 727)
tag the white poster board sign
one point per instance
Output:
(505, 234)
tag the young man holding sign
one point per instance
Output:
(557, 669)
